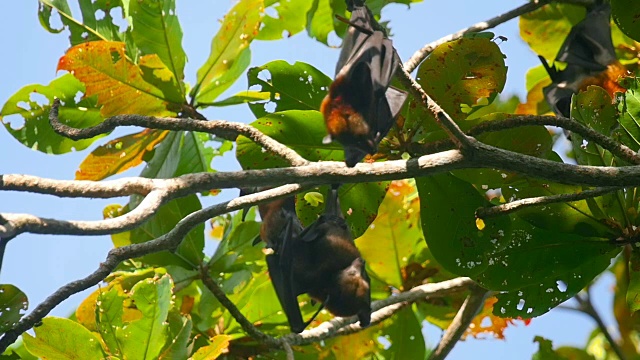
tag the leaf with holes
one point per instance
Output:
(90, 28)
(14, 303)
(475, 70)
(26, 115)
(288, 19)
(290, 87)
(156, 30)
(119, 84)
(230, 54)
(119, 155)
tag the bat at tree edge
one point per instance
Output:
(361, 107)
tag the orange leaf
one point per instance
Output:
(119, 155)
(487, 323)
(119, 84)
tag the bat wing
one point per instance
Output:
(355, 38)
(280, 266)
(589, 43)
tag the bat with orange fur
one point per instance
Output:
(361, 107)
(591, 60)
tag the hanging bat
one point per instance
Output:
(361, 107)
(321, 260)
(591, 60)
(333, 272)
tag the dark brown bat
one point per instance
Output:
(591, 60)
(361, 107)
(321, 260)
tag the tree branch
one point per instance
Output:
(224, 129)
(513, 206)
(168, 241)
(422, 54)
(515, 121)
(469, 309)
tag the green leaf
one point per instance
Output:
(405, 335)
(109, 318)
(447, 209)
(629, 132)
(475, 70)
(63, 339)
(87, 29)
(627, 15)
(291, 87)
(546, 28)
(215, 348)
(190, 251)
(230, 54)
(320, 18)
(14, 303)
(288, 22)
(302, 131)
(26, 115)
(564, 264)
(144, 338)
(156, 30)
(179, 332)
(196, 155)
(243, 97)
(166, 158)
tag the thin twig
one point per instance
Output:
(421, 54)
(513, 206)
(469, 309)
(586, 307)
(224, 129)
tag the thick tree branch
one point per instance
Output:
(224, 129)
(168, 241)
(382, 310)
(513, 206)
(617, 149)
(469, 309)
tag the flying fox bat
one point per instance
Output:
(591, 60)
(321, 260)
(361, 107)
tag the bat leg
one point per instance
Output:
(317, 312)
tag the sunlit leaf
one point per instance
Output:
(290, 87)
(144, 338)
(289, 21)
(216, 346)
(486, 323)
(230, 53)
(62, 339)
(119, 84)
(90, 28)
(14, 304)
(26, 115)
(156, 30)
(119, 155)
(546, 28)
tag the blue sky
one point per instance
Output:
(40, 264)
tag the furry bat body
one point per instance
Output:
(361, 107)
(591, 60)
(321, 260)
